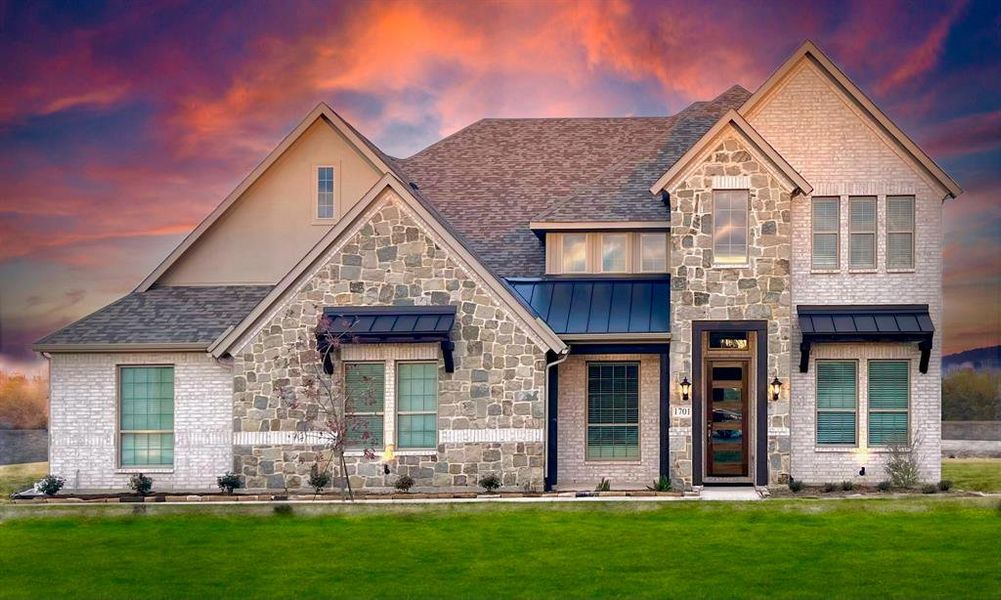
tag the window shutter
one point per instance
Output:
(836, 402)
(889, 384)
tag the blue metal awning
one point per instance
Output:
(389, 324)
(866, 323)
(593, 305)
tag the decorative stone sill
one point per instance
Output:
(825, 271)
(134, 470)
(731, 266)
(863, 271)
(901, 270)
(378, 455)
(836, 449)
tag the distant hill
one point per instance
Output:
(980, 359)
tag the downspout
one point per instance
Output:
(562, 356)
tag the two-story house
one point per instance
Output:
(748, 290)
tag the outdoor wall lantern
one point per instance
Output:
(685, 387)
(776, 386)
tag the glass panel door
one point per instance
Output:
(726, 428)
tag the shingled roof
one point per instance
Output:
(169, 316)
(491, 179)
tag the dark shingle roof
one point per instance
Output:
(165, 315)
(491, 179)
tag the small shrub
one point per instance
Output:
(661, 485)
(902, 467)
(945, 485)
(490, 482)
(229, 482)
(828, 487)
(847, 486)
(795, 485)
(604, 486)
(929, 488)
(141, 484)
(884, 486)
(404, 483)
(50, 485)
(318, 479)
(283, 510)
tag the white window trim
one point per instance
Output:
(396, 367)
(717, 264)
(315, 194)
(119, 467)
(913, 231)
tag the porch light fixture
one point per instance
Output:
(776, 386)
(685, 387)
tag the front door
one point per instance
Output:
(726, 427)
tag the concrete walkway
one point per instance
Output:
(730, 494)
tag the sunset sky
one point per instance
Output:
(123, 125)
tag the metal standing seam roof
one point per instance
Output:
(866, 323)
(599, 305)
(370, 323)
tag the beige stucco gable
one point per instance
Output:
(273, 223)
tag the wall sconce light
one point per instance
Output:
(776, 386)
(861, 472)
(685, 387)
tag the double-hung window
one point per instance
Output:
(364, 405)
(889, 397)
(730, 226)
(613, 400)
(146, 416)
(325, 192)
(900, 232)
(826, 225)
(837, 402)
(862, 229)
(417, 405)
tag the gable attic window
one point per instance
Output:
(614, 252)
(900, 232)
(730, 226)
(325, 192)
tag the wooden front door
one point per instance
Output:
(727, 422)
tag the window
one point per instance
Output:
(613, 400)
(417, 410)
(728, 340)
(653, 253)
(574, 252)
(837, 402)
(364, 405)
(826, 226)
(730, 226)
(900, 232)
(325, 192)
(146, 416)
(862, 225)
(889, 397)
(613, 252)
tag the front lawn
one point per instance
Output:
(910, 548)
(979, 474)
(14, 478)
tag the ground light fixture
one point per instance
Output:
(776, 386)
(685, 387)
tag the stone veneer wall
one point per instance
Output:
(797, 120)
(574, 471)
(83, 428)
(701, 291)
(490, 410)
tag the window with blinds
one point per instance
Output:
(837, 402)
(862, 228)
(146, 416)
(889, 398)
(730, 226)
(900, 232)
(364, 405)
(826, 226)
(613, 406)
(417, 405)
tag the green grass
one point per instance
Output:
(979, 474)
(14, 478)
(913, 548)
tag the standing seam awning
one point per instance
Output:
(593, 305)
(866, 323)
(391, 324)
